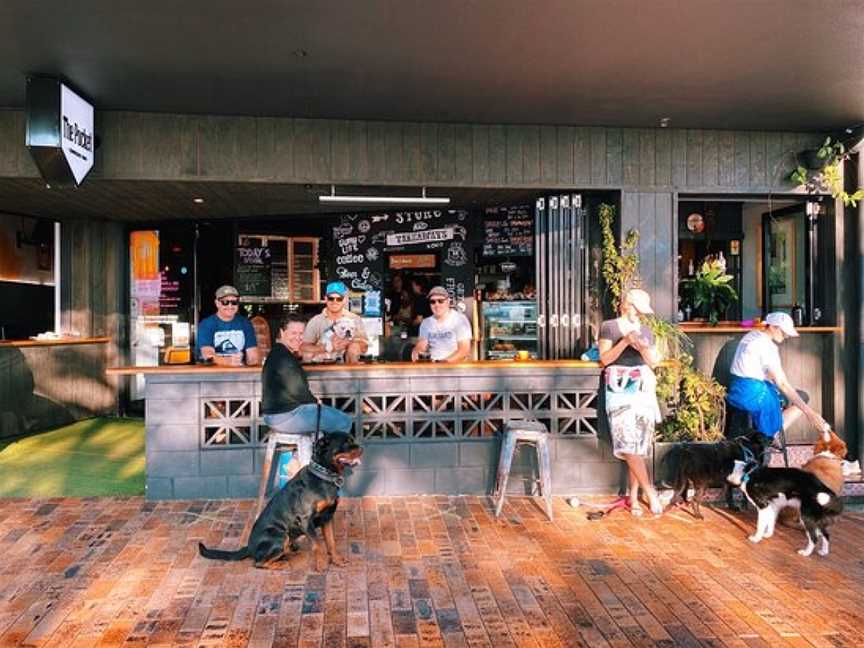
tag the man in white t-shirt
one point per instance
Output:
(446, 336)
(759, 384)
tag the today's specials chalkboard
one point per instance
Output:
(252, 272)
(508, 231)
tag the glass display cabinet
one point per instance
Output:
(508, 327)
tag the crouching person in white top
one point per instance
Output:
(446, 336)
(759, 385)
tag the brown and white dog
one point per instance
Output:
(828, 454)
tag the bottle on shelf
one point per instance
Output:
(690, 269)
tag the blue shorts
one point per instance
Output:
(761, 400)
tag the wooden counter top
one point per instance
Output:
(59, 342)
(690, 328)
(372, 366)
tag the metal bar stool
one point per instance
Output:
(740, 422)
(532, 433)
(302, 444)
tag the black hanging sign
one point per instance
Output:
(59, 131)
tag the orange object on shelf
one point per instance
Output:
(144, 246)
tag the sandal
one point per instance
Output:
(636, 509)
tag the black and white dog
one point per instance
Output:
(772, 489)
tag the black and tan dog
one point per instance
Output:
(304, 504)
(704, 465)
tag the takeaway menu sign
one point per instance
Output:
(363, 241)
(508, 231)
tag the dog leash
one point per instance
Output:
(327, 475)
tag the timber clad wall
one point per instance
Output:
(148, 146)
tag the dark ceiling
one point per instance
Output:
(730, 64)
(136, 201)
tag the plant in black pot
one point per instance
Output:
(820, 171)
(709, 292)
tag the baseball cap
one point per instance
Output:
(641, 301)
(337, 288)
(225, 291)
(438, 290)
(783, 322)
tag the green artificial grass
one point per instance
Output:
(96, 457)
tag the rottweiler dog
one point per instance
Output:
(304, 504)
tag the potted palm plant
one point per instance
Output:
(709, 292)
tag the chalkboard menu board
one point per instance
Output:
(362, 242)
(508, 231)
(252, 273)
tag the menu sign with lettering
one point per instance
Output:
(508, 231)
(252, 272)
(433, 238)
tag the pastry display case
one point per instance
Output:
(508, 327)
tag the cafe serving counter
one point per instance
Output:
(425, 427)
(432, 427)
(49, 383)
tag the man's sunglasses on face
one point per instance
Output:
(337, 298)
(229, 302)
(438, 301)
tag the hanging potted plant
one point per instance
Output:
(709, 292)
(820, 171)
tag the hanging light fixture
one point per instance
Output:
(384, 200)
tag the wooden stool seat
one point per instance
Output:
(531, 433)
(303, 447)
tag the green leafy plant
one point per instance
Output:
(709, 291)
(693, 403)
(620, 267)
(829, 178)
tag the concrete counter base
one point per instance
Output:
(423, 432)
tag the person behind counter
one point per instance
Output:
(287, 403)
(446, 335)
(419, 305)
(225, 337)
(335, 333)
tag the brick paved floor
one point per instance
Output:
(423, 571)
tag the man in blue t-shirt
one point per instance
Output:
(225, 337)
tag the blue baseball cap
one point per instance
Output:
(336, 287)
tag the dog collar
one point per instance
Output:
(746, 476)
(327, 475)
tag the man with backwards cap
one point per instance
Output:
(225, 337)
(336, 332)
(759, 385)
(446, 335)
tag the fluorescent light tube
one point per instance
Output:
(388, 200)
(419, 200)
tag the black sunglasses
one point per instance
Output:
(229, 302)
(334, 297)
(438, 301)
